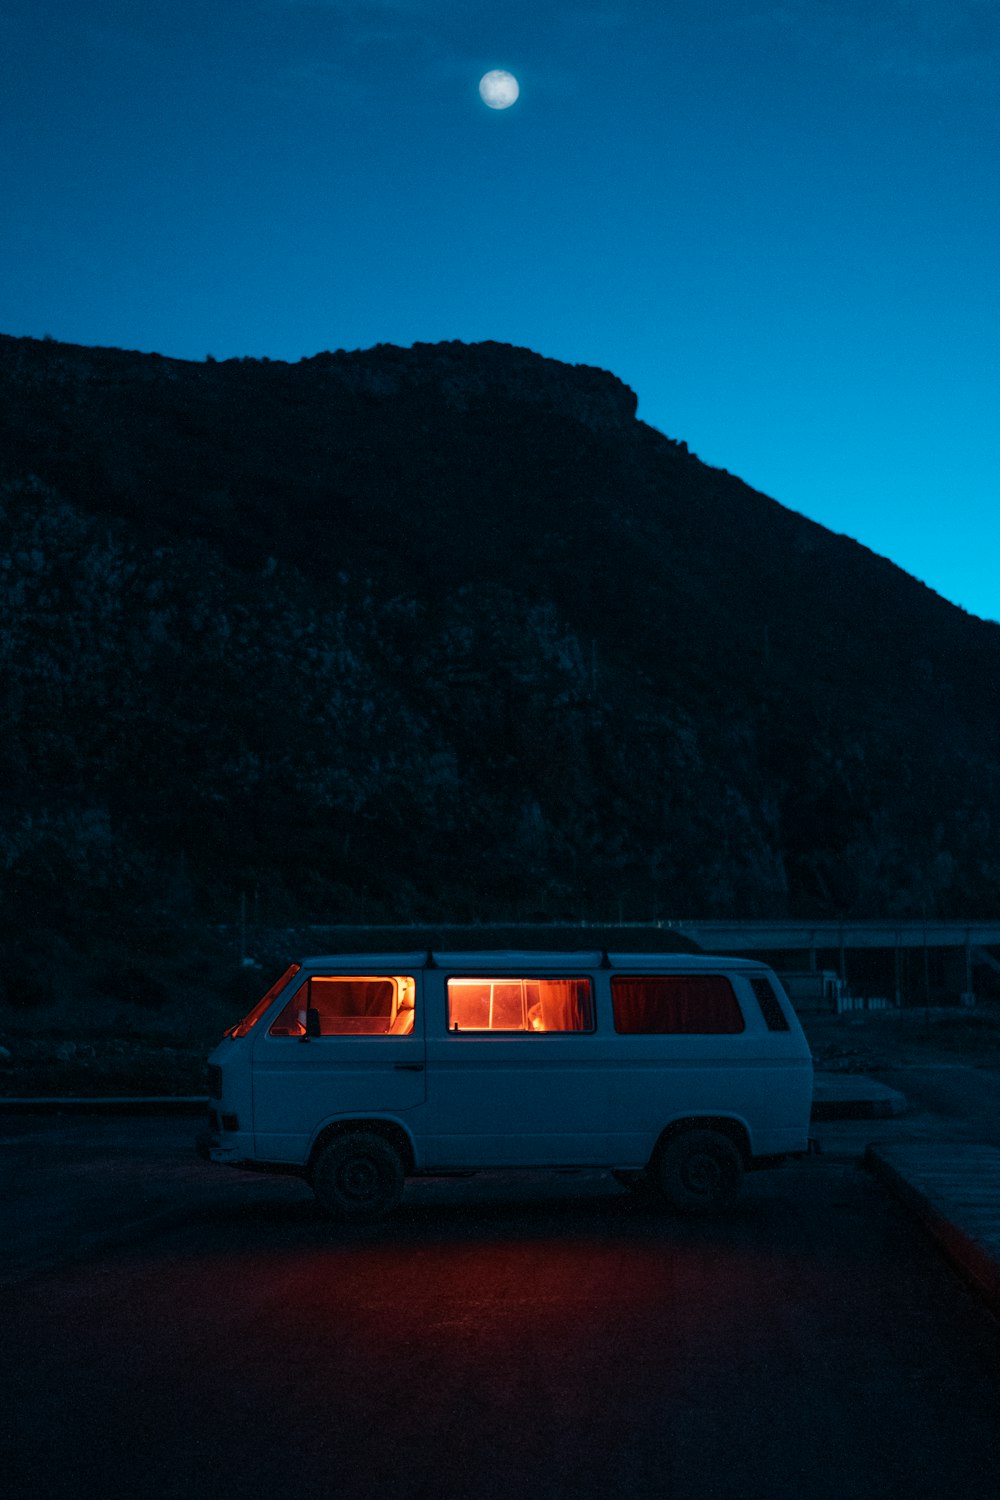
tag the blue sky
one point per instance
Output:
(777, 220)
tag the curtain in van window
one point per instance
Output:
(352, 1007)
(509, 1004)
(562, 1005)
(352, 997)
(681, 1004)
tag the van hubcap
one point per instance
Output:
(702, 1174)
(359, 1177)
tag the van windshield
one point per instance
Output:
(250, 1020)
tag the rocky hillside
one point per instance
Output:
(441, 634)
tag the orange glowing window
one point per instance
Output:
(349, 1005)
(519, 1005)
(252, 1017)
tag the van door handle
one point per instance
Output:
(409, 1067)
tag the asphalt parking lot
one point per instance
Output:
(177, 1329)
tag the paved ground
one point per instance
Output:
(120, 1175)
(76, 1183)
(176, 1329)
(965, 1099)
(939, 1154)
(497, 1338)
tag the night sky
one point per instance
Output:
(777, 220)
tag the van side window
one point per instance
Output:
(770, 1005)
(352, 1005)
(675, 1004)
(477, 1005)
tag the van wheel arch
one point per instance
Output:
(724, 1124)
(391, 1132)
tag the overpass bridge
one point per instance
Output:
(946, 952)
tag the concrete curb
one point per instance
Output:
(852, 1096)
(955, 1192)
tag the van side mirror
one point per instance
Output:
(312, 1022)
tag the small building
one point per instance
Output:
(814, 989)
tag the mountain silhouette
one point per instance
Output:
(446, 634)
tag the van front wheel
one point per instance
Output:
(699, 1172)
(358, 1177)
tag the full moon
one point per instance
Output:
(499, 89)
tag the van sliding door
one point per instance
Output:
(515, 1080)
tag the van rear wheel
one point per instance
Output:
(358, 1177)
(699, 1172)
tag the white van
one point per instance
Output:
(356, 1071)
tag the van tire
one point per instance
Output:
(358, 1177)
(699, 1172)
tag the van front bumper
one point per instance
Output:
(213, 1147)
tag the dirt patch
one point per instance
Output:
(94, 1068)
(871, 1041)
